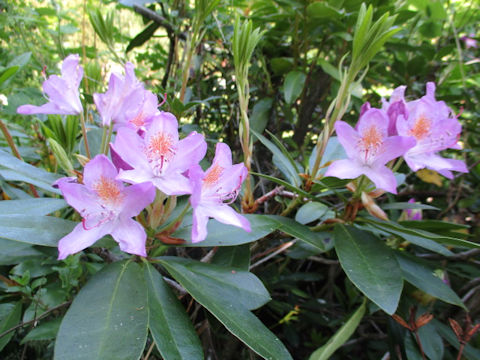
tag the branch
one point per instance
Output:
(153, 16)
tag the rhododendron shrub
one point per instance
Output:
(135, 226)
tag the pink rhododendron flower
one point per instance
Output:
(434, 128)
(107, 207)
(62, 91)
(126, 102)
(394, 108)
(369, 148)
(159, 156)
(413, 214)
(220, 183)
(469, 41)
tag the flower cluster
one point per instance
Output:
(416, 130)
(148, 155)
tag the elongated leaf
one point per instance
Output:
(419, 241)
(286, 184)
(446, 240)
(10, 320)
(301, 232)
(224, 305)
(370, 265)
(109, 317)
(37, 206)
(341, 336)
(13, 169)
(8, 73)
(45, 331)
(239, 287)
(233, 256)
(291, 172)
(293, 86)
(312, 211)
(422, 277)
(142, 37)
(333, 151)
(37, 230)
(227, 235)
(406, 205)
(171, 328)
(14, 252)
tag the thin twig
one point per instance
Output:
(156, 18)
(176, 286)
(24, 323)
(456, 257)
(323, 260)
(150, 349)
(281, 249)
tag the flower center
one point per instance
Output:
(213, 175)
(108, 190)
(160, 151)
(138, 120)
(421, 128)
(372, 139)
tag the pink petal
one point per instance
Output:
(382, 177)
(78, 196)
(130, 147)
(393, 147)
(195, 176)
(345, 169)
(226, 215)
(166, 124)
(348, 137)
(137, 197)
(376, 118)
(199, 225)
(223, 155)
(173, 184)
(190, 151)
(99, 167)
(131, 236)
(79, 239)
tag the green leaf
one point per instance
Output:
(291, 172)
(239, 287)
(45, 331)
(321, 10)
(169, 324)
(13, 169)
(417, 240)
(406, 205)
(8, 73)
(14, 252)
(108, 319)
(302, 232)
(37, 230)
(288, 185)
(233, 256)
(142, 37)
(432, 343)
(227, 235)
(313, 211)
(293, 86)
(370, 265)
(333, 151)
(40, 206)
(341, 336)
(421, 276)
(260, 113)
(391, 226)
(226, 302)
(14, 312)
